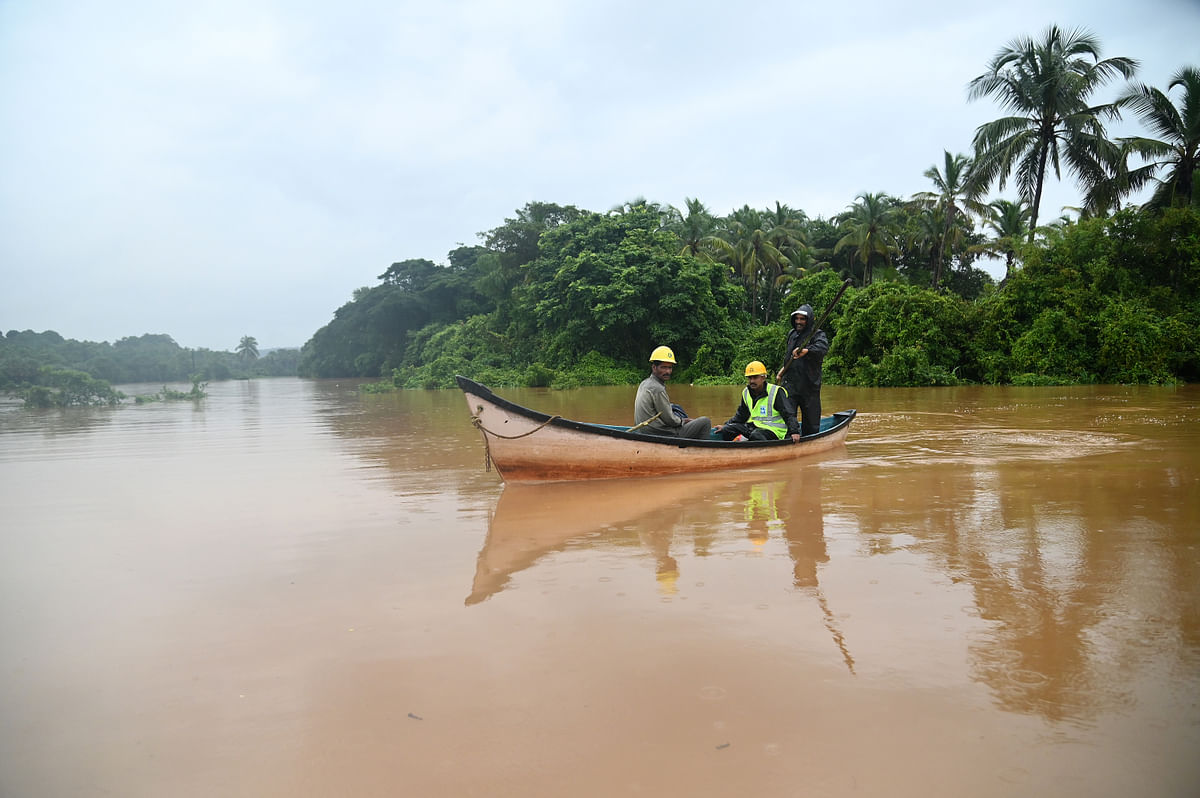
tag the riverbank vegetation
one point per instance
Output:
(1109, 300)
(563, 296)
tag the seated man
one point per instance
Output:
(652, 409)
(765, 412)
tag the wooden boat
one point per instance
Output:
(528, 446)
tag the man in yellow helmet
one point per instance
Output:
(652, 407)
(765, 412)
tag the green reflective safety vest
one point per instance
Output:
(761, 504)
(763, 414)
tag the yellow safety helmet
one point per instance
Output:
(664, 354)
(754, 368)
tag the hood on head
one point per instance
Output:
(806, 310)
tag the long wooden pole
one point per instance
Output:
(644, 423)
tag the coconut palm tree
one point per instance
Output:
(693, 228)
(871, 230)
(786, 227)
(247, 348)
(922, 239)
(1046, 84)
(1009, 223)
(955, 196)
(746, 248)
(667, 215)
(785, 231)
(1176, 151)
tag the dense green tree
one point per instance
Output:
(513, 245)
(369, 335)
(1110, 300)
(57, 387)
(1047, 84)
(518, 237)
(150, 358)
(968, 280)
(821, 237)
(615, 284)
(892, 334)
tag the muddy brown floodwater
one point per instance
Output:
(288, 589)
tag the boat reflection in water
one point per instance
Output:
(532, 522)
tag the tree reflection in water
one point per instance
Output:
(1075, 567)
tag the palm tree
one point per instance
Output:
(1009, 222)
(667, 215)
(785, 231)
(745, 246)
(694, 228)
(247, 348)
(1177, 148)
(955, 194)
(870, 225)
(785, 227)
(923, 235)
(1046, 84)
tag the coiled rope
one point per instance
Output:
(487, 450)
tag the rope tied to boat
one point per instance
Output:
(487, 451)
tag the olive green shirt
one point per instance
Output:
(652, 398)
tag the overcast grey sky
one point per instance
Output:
(239, 167)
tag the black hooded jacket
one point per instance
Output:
(804, 375)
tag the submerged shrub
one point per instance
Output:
(68, 387)
(538, 376)
(1132, 345)
(897, 335)
(1056, 345)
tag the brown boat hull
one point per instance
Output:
(528, 446)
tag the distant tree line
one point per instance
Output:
(559, 295)
(49, 369)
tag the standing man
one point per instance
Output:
(765, 412)
(652, 402)
(801, 373)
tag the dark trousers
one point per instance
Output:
(808, 408)
(696, 428)
(736, 428)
